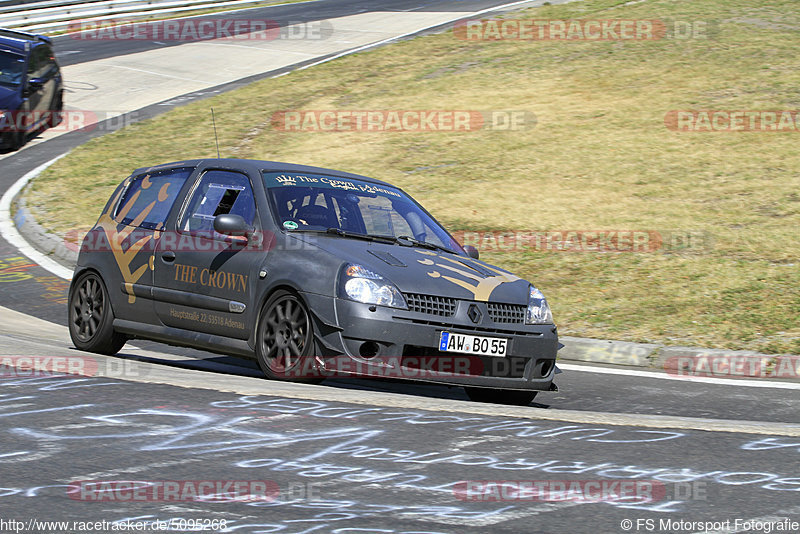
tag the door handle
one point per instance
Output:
(168, 256)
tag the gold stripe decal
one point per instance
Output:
(482, 290)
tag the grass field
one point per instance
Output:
(599, 158)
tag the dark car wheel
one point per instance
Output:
(91, 318)
(56, 112)
(14, 140)
(500, 396)
(19, 136)
(285, 340)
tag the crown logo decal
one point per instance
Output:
(470, 278)
(287, 180)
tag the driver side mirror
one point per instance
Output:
(472, 252)
(233, 225)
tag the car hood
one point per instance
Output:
(9, 99)
(429, 272)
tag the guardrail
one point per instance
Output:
(59, 15)
(19, 5)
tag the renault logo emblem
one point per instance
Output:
(474, 314)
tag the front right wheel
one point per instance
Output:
(13, 140)
(56, 114)
(90, 316)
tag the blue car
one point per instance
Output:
(31, 87)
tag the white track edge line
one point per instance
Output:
(664, 376)
(9, 230)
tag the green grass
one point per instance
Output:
(600, 158)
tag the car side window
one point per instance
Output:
(149, 197)
(41, 61)
(35, 62)
(218, 193)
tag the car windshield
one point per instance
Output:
(352, 208)
(11, 68)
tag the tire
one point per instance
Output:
(18, 140)
(285, 346)
(501, 396)
(20, 134)
(14, 140)
(56, 112)
(91, 317)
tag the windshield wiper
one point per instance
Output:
(345, 233)
(357, 235)
(404, 240)
(424, 244)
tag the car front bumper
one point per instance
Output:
(387, 342)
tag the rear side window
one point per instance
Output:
(149, 197)
(219, 193)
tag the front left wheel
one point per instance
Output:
(285, 340)
(91, 317)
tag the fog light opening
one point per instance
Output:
(546, 367)
(368, 349)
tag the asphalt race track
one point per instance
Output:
(359, 456)
(356, 455)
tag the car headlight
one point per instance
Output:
(360, 284)
(538, 309)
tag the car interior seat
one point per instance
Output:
(314, 215)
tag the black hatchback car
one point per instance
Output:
(31, 86)
(314, 273)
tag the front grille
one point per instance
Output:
(431, 305)
(507, 313)
(473, 328)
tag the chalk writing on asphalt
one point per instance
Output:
(346, 449)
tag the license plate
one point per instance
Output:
(466, 344)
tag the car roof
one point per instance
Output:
(257, 166)
(20, 42)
